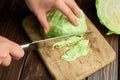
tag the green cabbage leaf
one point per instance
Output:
(80, 49)
(108, 12)
(69, 41)
(60, 25)
(74, 47)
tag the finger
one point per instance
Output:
(41, 15)
(74, 7)
(65, 9)
(1, 60)
(6, 61)
(16, 51)
(4, 50)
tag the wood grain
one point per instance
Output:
(100, 54)
(10, 27)
(11, 14)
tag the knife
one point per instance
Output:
(36, 44)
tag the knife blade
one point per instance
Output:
(36, 44)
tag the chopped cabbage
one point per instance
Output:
(108, 12)
(78, 48)
(69, 41)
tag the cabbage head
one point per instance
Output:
(108, 12)
(60, 25)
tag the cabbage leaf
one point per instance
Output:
(74, 46)
(108, 12)
(60, 25)
(80, 49)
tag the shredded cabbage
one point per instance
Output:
(80, 49)
(76, 46)
(69, 41)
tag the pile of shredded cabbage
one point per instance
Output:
(76, 46)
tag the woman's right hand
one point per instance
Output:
(9, 50)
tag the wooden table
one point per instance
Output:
(31, 67)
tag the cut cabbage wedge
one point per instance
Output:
(108, 12)
(60, 25)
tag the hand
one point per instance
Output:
(9, 50)
(41, 7)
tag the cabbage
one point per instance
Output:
(69, 41)
(80, 49)
(59, 24)
(75, 46)
(108, 12)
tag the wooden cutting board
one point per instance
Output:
(100, 53)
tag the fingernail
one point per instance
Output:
(75, 22)
(79, 16)
(46, 30)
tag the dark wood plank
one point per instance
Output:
(87, 7)
(119, 60)
(34, 68)
(10, 27)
